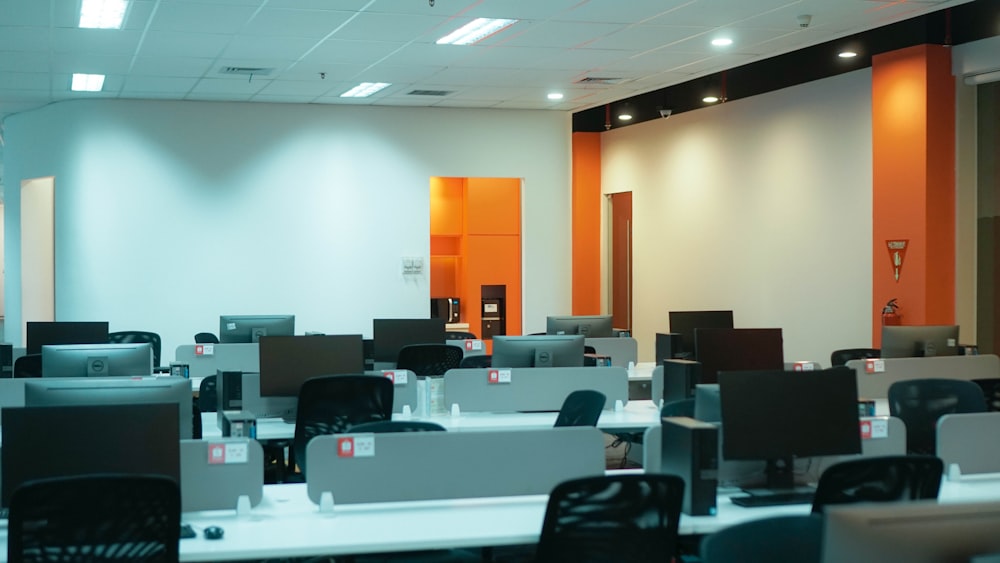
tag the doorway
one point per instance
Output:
(620, 249)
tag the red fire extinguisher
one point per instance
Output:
(889, 315)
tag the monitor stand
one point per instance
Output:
(779, 489)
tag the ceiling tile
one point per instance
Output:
(645, 37)
(26, 80)
(174, 44)
(24, 39)
(190, 67)
(34, 13)
(315, 24)
(161, 84)
(286, 48)
(312, 88)
(102, 41)
(618, 12)
(242, 86)
(344, 51)
(716, 13)
(557, 34)
(398, 28)
(23, 62)
(192, 17)
(90, 63)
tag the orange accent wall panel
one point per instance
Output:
(586, 215)
(447, 201)
(493, 260)
(913, 184)
(444, 276)
(494, 206)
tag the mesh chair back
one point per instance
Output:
(384, 426)
(780, 538)
(95, 519)
(206, 338)
(480, 361)
(991, 392)
(455, 335)
(612, 518)
(879, 479)
(429, 359)
(208, 395)
(29, 365)
(581, 408)
(127, 336)
(841, 357)
(919, 403)
(332, 404)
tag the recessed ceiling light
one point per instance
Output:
(722, 42)
(475, 31)
(710, 99)
(87, 82)
(555, 96)
(364, 89)
(625, 116)
(847, 54)
(102, 14)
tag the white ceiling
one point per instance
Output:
(174, 49)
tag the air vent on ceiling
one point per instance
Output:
(599, 80)
(428, 92)
(246, 70)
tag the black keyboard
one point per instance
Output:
(774, 499)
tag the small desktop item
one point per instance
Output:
(97, 360)
(64, 441)
(780, 415)
(590, 326)
(919, 341)
(538, 351)
(249, 328)
(391, 335)
(64, 332)
(735, 349)
(684, 323)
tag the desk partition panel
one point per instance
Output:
(404, 393)
(530, 389)
(876, 385)
(969, 441)
(621, 350)
(12, 392)
(225, 357)
(216, 472)
(409, 466)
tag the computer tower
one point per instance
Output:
(668, 346)
(691, 450)
(679, 379)
(229, 392)
(6, 360)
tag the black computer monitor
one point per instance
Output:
(391, 335)
(64, 332)
(919, 341)
(249, 328)
(97, 360)
(64, 441)
(538, 351)
(777, 416)
(287, 361)
(684, 323)
(734, 349)
(73, 391)
(590, 326)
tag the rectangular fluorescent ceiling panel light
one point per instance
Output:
(364, 89)
(88, 82)
(475, 31)
(102, 14)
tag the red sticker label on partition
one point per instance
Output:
(216, 453)
(866, 430)
(468, 345)
(494, 376)
(199, 350)
(345, 447)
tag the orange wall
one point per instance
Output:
(586, 223)
(447, 212)
(913, 143)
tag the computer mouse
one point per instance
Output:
(214, 533)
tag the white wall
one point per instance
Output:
(762, 206)
(169, 214)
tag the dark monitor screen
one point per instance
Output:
(88, 391)
(590, 326)
(780, 415)
(46, 442)
(684, 323)
(919, 341)
(97, 360)
(249, 328)
(538, 351)
(391, 335)
(64, 332)
(734, 349)
(287, 361)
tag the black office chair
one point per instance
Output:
(332, 404)
(581, 408)
(455, 335)
(29, 365)
(919, 403)
(208, 398)
(480, 361)
(879, 479)
(127, 336)
(841, 357)
(385, 426)
(612, 518)
(95, 519)
(991, 392)
(682, 407)
(429, 359)
(780, 538)
(206, 338)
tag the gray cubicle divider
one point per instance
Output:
(469, 347)
(404, 388)
(410, 466)
(218, 484)
(622, 350)
(968, 441)
(225, 357)
(531, 389)
(12, 392)
(876, 385)
(404, 393)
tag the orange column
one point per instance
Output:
(913, 181)
(586, 224)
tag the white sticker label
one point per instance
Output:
(491, 308)
(230, 326)
(237, 452)
(952, 343)
(397, 377)
(874, 366)
(880, 428)
(364, 445)
(473, 344)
